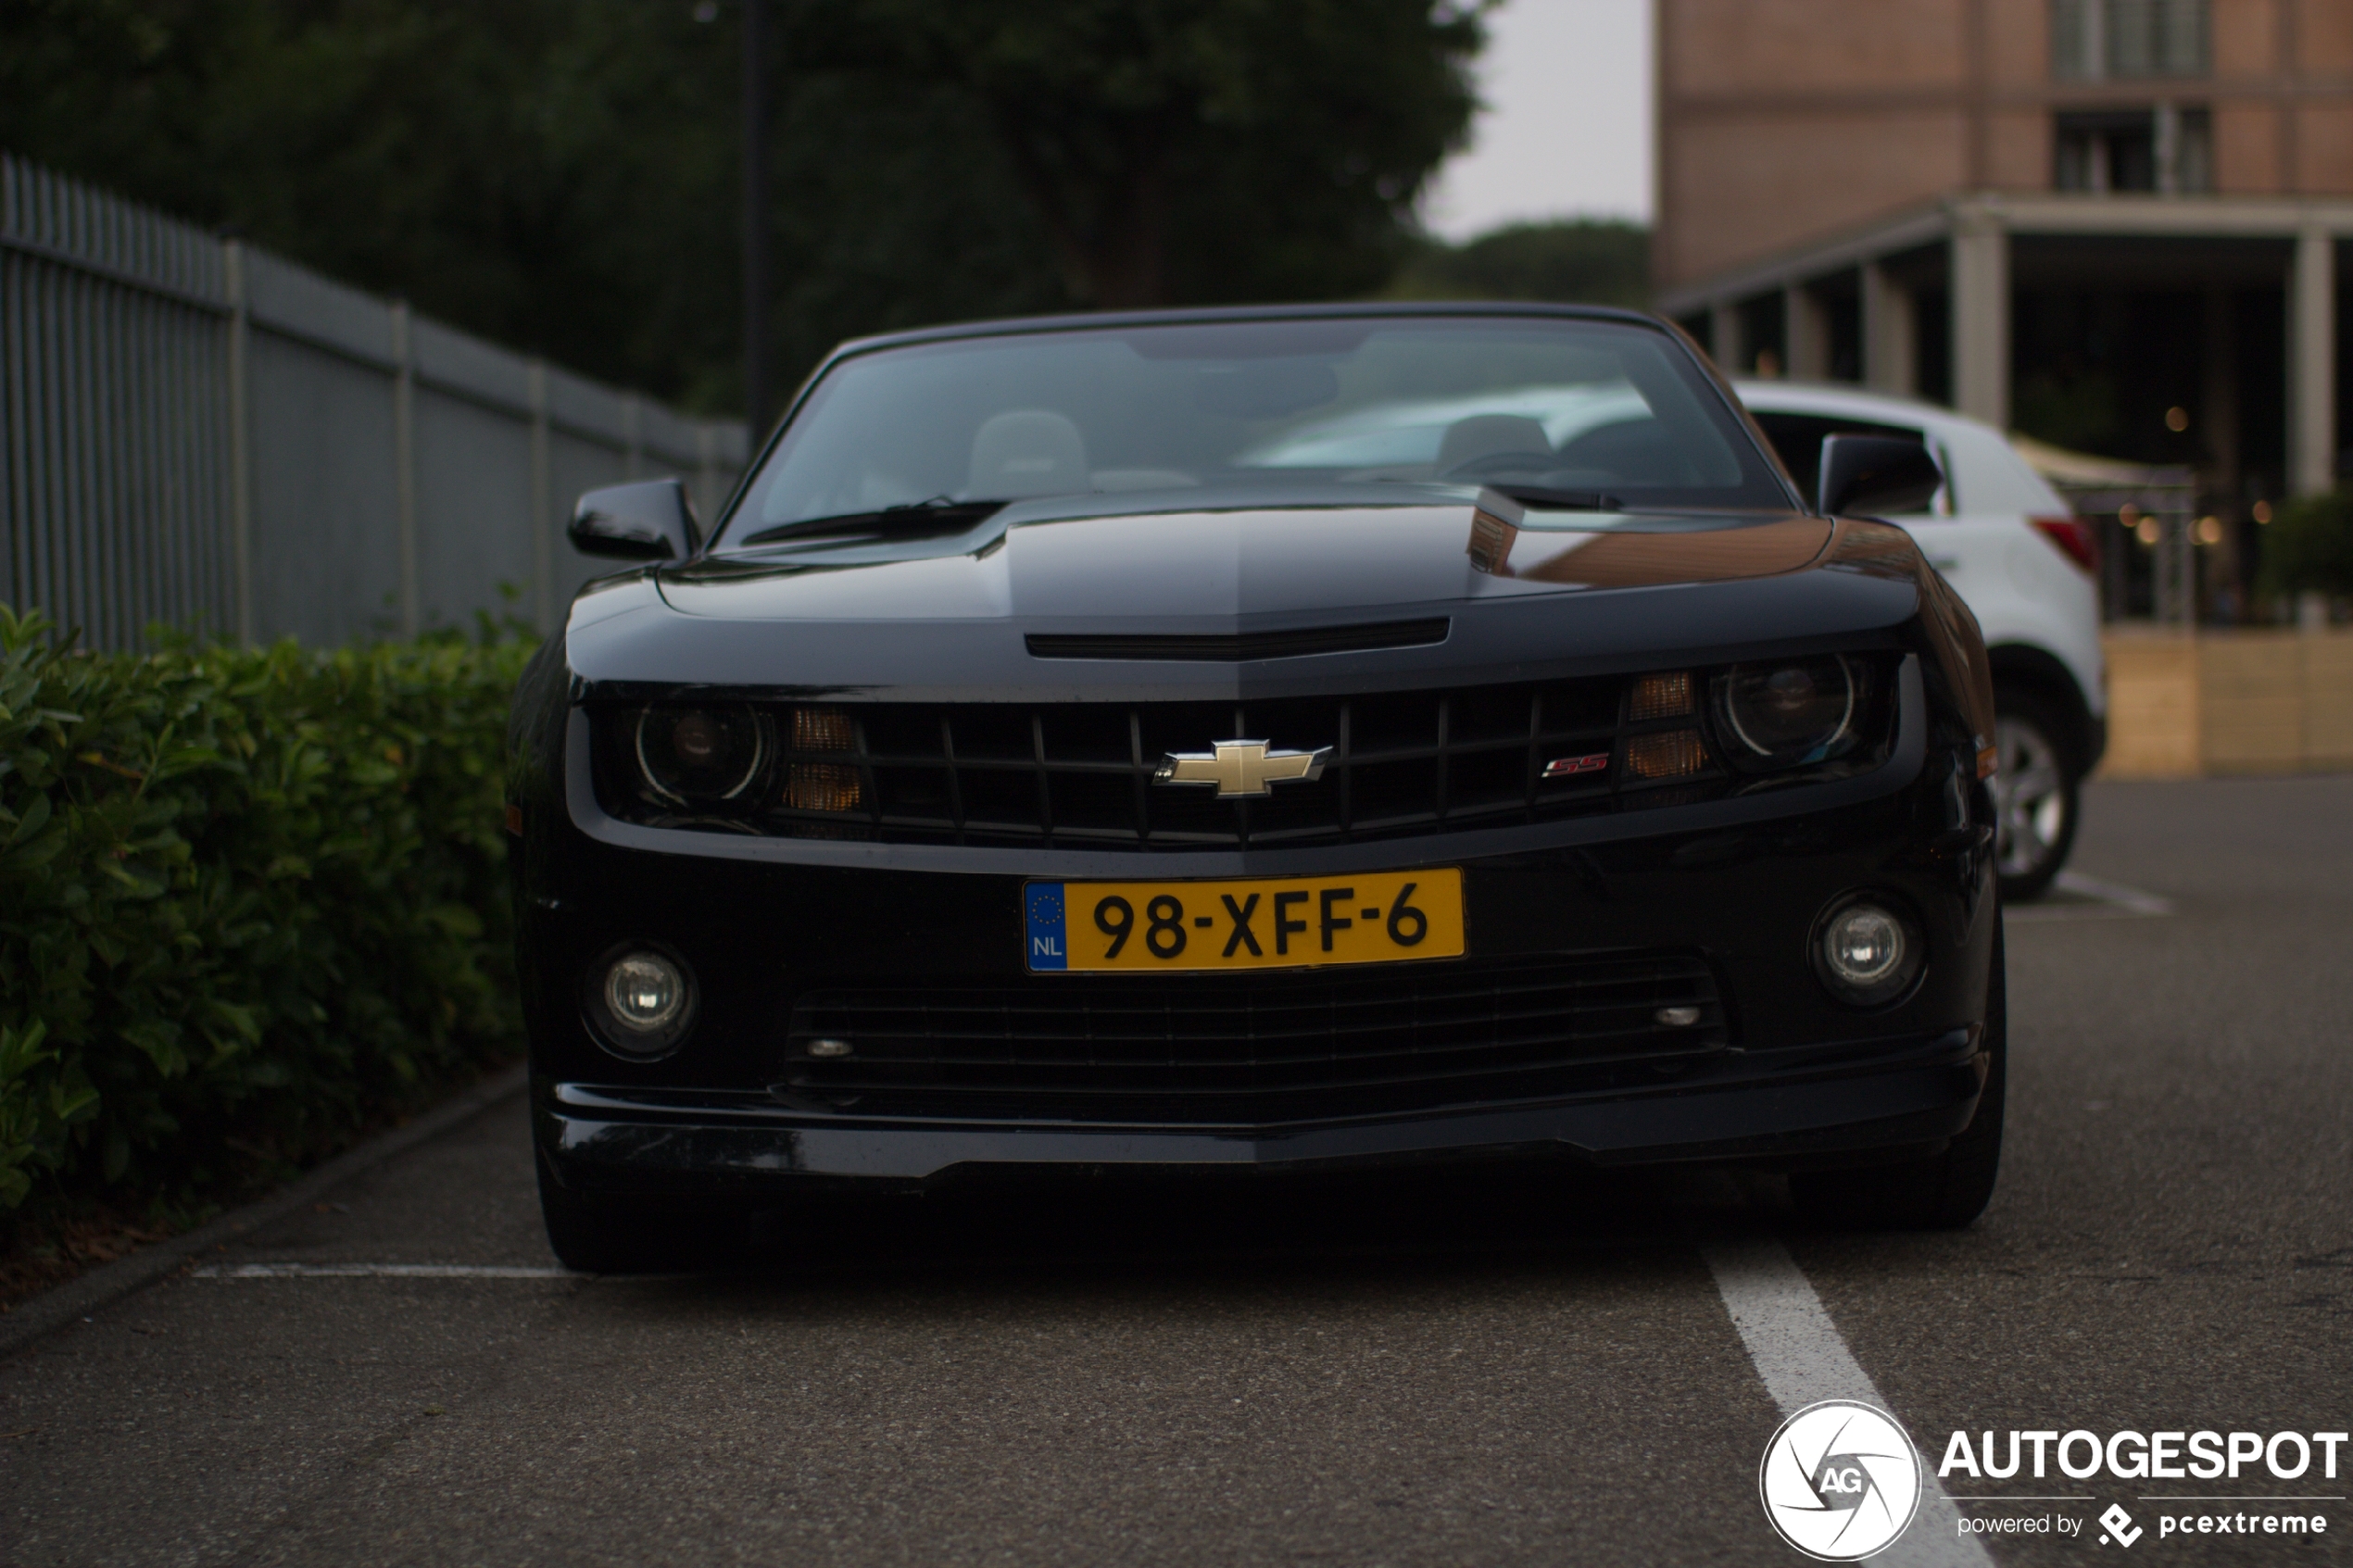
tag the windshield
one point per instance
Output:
(1592, 414)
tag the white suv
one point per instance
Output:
(2027, 567)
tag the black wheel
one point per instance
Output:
(2034, 793)
(605, 1235)
(1945, 1192)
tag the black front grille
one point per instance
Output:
(1080, 775)
(1255, 1050)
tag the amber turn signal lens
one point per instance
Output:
(1675, 755)
(1662, 696)
(822, 786)
(822, 729)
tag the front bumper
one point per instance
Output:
(1740, 883)
(1911, 1095)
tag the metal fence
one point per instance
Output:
(194, 430)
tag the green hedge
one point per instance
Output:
(250, 901)
(2309, 550)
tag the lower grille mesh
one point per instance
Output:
(1253, 1050)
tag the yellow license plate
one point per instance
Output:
(1259, 922)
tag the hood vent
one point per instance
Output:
(1238, 649)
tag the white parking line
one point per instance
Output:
(377, 1271)
(1798, 1352)
(2077, 897)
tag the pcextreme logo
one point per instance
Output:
(1840, 1480)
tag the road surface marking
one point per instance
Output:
(377, 1271)
(2087, 898)
(1798, 1352)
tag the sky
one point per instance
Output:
(1567, 131)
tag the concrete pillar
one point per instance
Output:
(2311, 364)
(1805, 334)
(2218, 427)
(1890, 360)
(1981, 312)
(1724, 337)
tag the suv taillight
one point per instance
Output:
(2075, 538)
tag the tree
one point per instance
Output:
(562, 175)
(1590, 261)
(1199, 149)
(2310, 548)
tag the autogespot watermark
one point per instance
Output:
(2135, 1456)
(2080, 1455)
(1841, 1481)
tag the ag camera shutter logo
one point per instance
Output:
(1840, 1480)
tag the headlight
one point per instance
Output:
(1784, 715)
(700, 756)
(641, 1001)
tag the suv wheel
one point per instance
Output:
(2034, 794)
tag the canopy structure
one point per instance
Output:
(2166, 494)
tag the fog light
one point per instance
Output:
(1868, 954)
(645, 992)
(643, 1004)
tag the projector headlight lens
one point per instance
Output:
(1785, 714)
(701, 756)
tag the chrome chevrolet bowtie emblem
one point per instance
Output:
(1240, 767)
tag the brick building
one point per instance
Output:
(2118, 224)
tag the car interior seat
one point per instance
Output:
(1487, 435)
(1027, 452)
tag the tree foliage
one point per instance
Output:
(562, 175)
(2308, 548)
(1199, 149)
(1587, 261)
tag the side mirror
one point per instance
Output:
(1875, 476)
(653, 520)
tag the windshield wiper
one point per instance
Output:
(1559, 500)
(935, 519)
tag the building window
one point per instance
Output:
(2166, 150)
(2127, 39)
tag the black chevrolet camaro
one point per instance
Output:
(1272, 738)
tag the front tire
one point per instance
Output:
(1945, 1192)
(595, 1235)
(2036, 793)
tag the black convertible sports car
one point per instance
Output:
(1271, 738)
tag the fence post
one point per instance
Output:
(233, 258)
(404, 463)
(543, 506)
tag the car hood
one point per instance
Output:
(1515, 587)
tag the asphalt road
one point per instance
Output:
(1528, 1366)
